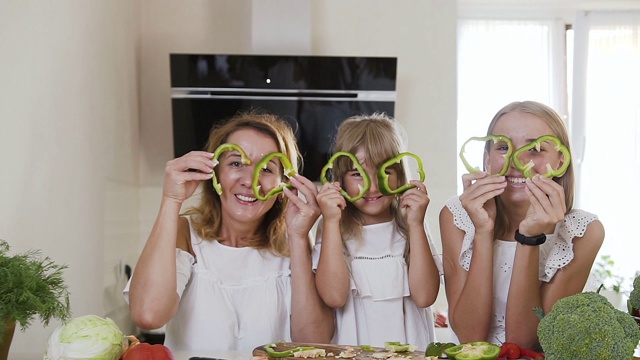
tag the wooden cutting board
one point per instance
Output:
(336, 350)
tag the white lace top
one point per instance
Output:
(230, 298)
(555, 254)
(379, 307)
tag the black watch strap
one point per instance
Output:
(530, 240)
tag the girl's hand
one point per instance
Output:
(415, 201)
(477, 198)
(180, 179)
(301, 213)
(331, 201)
(547, 206)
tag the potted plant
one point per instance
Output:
(634, 300)
(30, 286)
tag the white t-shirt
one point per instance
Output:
(555, 253)
(230, 298)
(379, 307)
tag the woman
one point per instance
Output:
(511, 243)
(234, 272)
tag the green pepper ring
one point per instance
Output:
(526, 168)
(383, 177)
(455, 351)
(495, 139)
(357, 165)
(289, 171)
(216, 155)
(287, 353)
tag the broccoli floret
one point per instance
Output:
(634, 297)
(587, 326)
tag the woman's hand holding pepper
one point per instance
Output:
(477, 198)
(415, 201)
(547, 206)
(331, 201)
(180, 181)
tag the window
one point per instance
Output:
(500, 61)
(606, 131)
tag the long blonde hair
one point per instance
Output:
(272, 234)
(381, 139)
(558, 129)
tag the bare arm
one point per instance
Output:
(522, 323)
(153, 299)
(311, 319)
(547, 208)
(470, 293)
(332, 275)
(424, 279)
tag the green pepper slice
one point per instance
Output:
(216, 155)
(289, 172)
(357, 165)
(438, 348)
(396, 346)
(383, 177)
(495, 139)
(477, 350)
(280, 354)
(526, 168)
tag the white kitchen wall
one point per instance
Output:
(69, 143)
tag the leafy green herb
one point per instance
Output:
(31, 286)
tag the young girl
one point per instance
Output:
(381, 291)
(511, 244)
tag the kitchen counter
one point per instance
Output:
(179, 355)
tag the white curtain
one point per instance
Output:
(500, 61)
(606, 128)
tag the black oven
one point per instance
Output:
(313, 93)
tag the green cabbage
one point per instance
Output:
(86, 337)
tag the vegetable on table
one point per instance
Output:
(477, 350)
(437, 348)
(587, 326)
(536, 144)
(634, 296)
(289, 172)
(272, 353)
(216, 155)
(530, 354)
(86, 337)
(396, 346)
(383, 177)
(509, 350)
(356, 164)
(495, 139)
(144, 351)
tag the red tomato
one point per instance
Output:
(144, 351)
(509, 351)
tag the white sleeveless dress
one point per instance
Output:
(230, 298)
(555, 254)
(379, 307)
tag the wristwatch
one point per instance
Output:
(530, 240)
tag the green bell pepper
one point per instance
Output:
(495, 139)
(396, 346)
(289, 172)
(383, 177)
(438, 348)
(526, 168)
(477, 350)
(287, 353)
(216, 155)
(357, 165)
